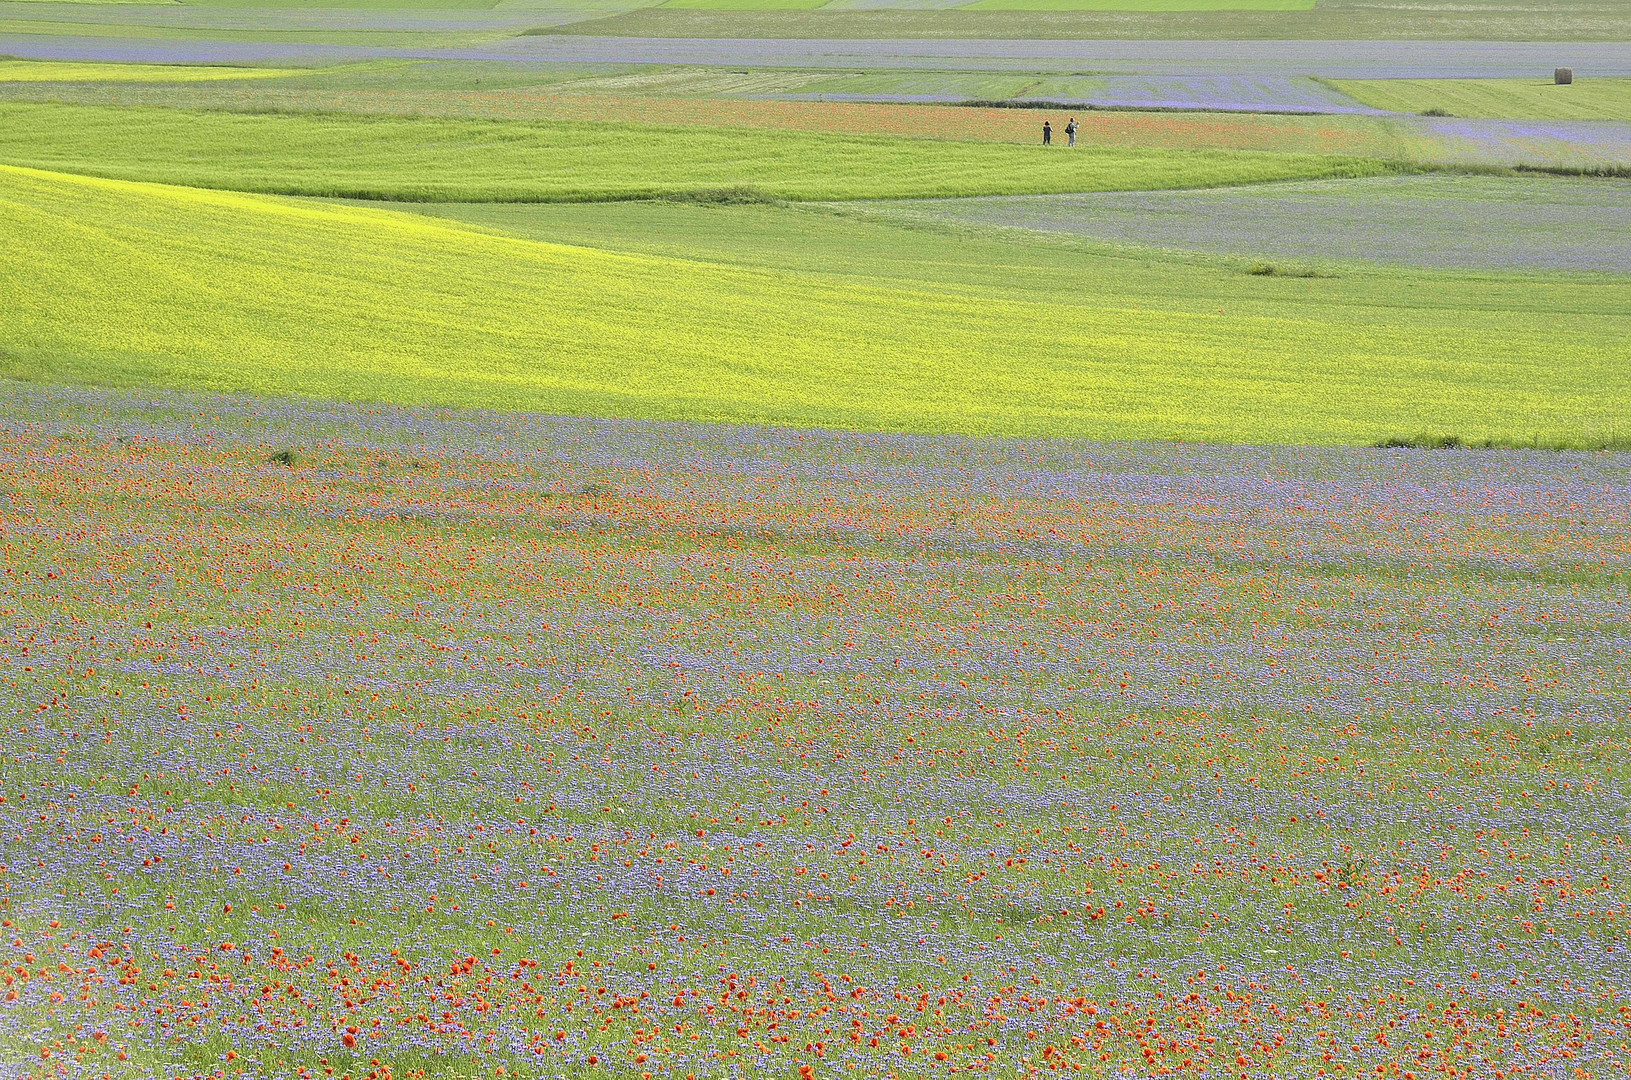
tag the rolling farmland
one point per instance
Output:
(493, 161)
(590, 540)
(417, 311)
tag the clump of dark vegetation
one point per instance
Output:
(726, 196)
(1437, 112)
(595, 487)
(1429, 441)
(1264, 269)
(1423, 441)
(1606, 171)
(287, 458)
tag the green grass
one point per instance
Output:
(1442, 220)
(1019, 5)
(274, 33)
(266, 294)
(12, 71)
(1137, 5)
(376, 5)
(673, 97)
(746, 5)
(691, 81)
(477, 160)
(1340, 20)
(1511, 99)
(893, 242)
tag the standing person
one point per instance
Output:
(1047, 133)
(1070, 132)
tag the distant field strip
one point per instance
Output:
(1531, 222)
(1226, 92)
(745, 5)
(125, 41)
(1016, 5)
(1212, 92)
(477, 161)
(1140, 5)
(1393, 138)
(12, 71)
(1405, 139)
(1496, 99)
(1390, 22)
(1015, 41)
(357, 303)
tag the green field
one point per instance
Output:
(783, 316)
(746, 5)
(13, 71)
(1140, 5)
(128, 30)
(484, 161)
(1337, 20)
(1018, 5)
(371, 21)
(625, 98)
(693, 81)
(1511, 99)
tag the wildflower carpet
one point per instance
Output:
(375, 742)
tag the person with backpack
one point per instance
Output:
(1070, 132)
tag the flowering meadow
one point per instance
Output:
(371, 742)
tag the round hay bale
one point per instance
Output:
(1563, 76)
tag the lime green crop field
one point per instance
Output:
(12, 71)
(1511, 99)
(515, 161)
(288, 296)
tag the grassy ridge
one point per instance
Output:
(481, 161)
(1512, 99)
(898, 241)
(356, 303)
